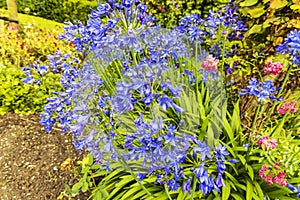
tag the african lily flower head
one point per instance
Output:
(289, 106)
(96, 113)
(291, 46)
(273, 68)
(262, 90)
(294, 189)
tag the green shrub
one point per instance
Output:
(168, 12)
(21, 47)
(15, 96)
(57, 10)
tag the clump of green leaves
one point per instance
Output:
(89, 173)
(269, 21)
(15, 96)
(21, 46)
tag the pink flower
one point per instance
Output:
(263, 170)
(272, 176)
(273, 68)
(210, 63)
(267, 143)
(281, 174)
(280, 179)
(269, 179)
(287, 106)
(272, 144)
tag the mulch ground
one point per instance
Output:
(31, 159)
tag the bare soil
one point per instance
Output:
(31, 159)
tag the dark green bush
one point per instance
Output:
(57, 10)
(169, 12)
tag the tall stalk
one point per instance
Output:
(255, 118)
(281, 89)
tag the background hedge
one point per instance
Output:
(167, 12)
(57, 10)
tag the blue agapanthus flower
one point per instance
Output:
(294, 189)
(140, 55)
(262, 90)
(291, 46)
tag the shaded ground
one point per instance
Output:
(31, 158)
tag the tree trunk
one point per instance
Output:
(12, 11)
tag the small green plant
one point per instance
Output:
(89, 174)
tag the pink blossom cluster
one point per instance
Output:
(288, 106)
(271, 177)
(267, 143)
(210, 63)
(273, 68)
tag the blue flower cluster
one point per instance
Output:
(157, 144)
(40, 69)
(294, 189)
(209, 182)
(121, 38)
(98, 32)
(262, 90)
(291, 45)
(136, 86)
(222, 23)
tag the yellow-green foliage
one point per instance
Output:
(20, 47)
(269, 21)
(15, 96)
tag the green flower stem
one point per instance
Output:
(281, 89)
(285, 80)
(134, 57)
(194, 186)
(255, 118)
(223, 59)
(167, 191)
(197, 80)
